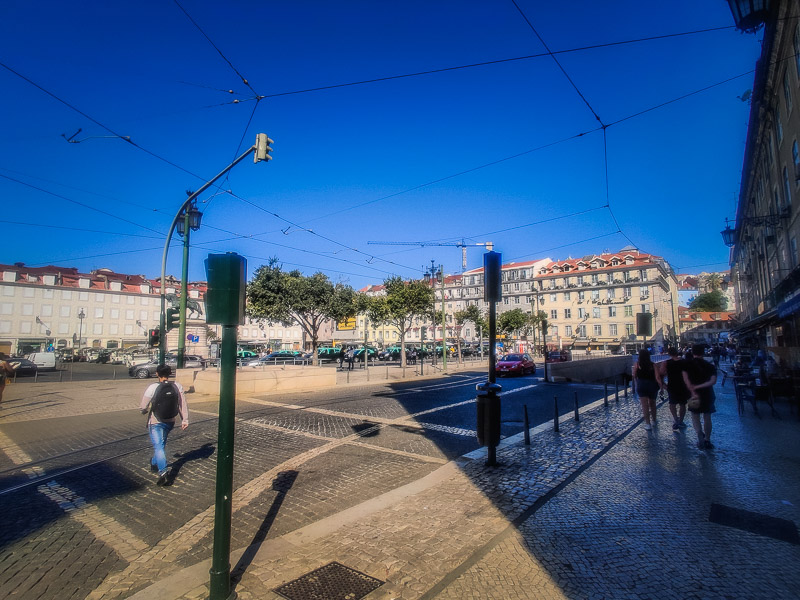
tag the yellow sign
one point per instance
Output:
(346, 325)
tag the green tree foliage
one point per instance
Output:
(710, 302)
(404, 300)
(287, 298)
(712, 282)
(513, 322)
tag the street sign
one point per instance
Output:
(346, 325)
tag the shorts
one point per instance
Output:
(707, 405)
(647, 388)
(678, 397)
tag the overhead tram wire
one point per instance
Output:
(102, 212)
(149, 237)
(491, 62)
(590, 239)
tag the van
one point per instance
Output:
(44, 361)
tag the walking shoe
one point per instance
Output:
(163, 479)
(153, 468)
(648, 427)
(682, 425)
(709, 445)
(675, 427)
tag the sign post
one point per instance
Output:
(225, 301)
(488, 401)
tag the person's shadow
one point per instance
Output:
(282, 484)
(203, 452)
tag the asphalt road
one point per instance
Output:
(318, 453)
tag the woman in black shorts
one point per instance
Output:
(644, 378)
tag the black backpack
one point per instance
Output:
(165, 402)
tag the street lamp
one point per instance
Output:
(749, 15)
(190, 222)
(81, 317)
(261, 152)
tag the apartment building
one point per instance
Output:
(62, 308)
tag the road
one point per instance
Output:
(299, 458)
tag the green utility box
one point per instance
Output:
(225, 297)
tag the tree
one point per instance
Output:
(288, 298)
(712, 282)
(539, 321)
(403, 301)
(710, 302)
(513, 322)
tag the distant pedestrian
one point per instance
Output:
(644, 378)
(162, 402)
(700, 377)
(672, 370)
(351, 359)
(716, 353)
(341, 358)
(6, 371)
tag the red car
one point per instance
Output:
(519, 364)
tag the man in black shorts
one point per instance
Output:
(700, 377)
(672, 370)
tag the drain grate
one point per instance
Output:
(334, 581)
(778, 529)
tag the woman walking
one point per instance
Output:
(644, 378)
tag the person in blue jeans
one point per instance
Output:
(159, 429)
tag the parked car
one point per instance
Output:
(148, 369)
(372, 353)
(328, 354)
(22, 366)
(515, 364)
(44, 361)
(559, 356)
(282, 356)
(390, 353)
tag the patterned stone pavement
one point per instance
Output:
(603, 509)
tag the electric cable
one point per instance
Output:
(150, 237)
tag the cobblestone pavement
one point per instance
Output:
(602, 509)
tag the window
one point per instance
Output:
(629, 329)
(787, 92)
(567, 295)
(628, 311)
(611, 293)
(554, 330)
(581, 296)
(553, 297)
(567, 313)
(787, 189)
(643, 274)
(516, 300)
(612, 329)
(580, 279)
(596, 312)
(129, 315)
(97, 328)
(115, 313)
(778, 124)
(64, 310)
(598, 330)
(25, 327)
(644, 291)
(645, 308)
(27, 310)
(581, 330)
(595, 279)
(47, 310)
(595, 294)
(554, 314)
(627, 291)
(568, 330)
(612, 311)
(581, 313)
(98, 313)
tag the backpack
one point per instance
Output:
(165, 402)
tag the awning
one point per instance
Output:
(580, 344)
(788, 307)
(757, 323)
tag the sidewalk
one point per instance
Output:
(603, 509)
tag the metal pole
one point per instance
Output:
(444, 323)
(605, 393)
(184, 291)
(555, 414)
(577, 415)
(220, 582)
(616, 389)
(526, 424)
(162, 350)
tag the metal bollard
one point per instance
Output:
(616, 388)
(114, 374)
(555, 414)
(626, 390)
(60, 376)
(526, 424)
(35, 376)
(348, 375)
(605, 393)
(577, 416)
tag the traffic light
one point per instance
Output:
(173, 318)
(263, 148)
(153, 338)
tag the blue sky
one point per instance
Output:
(463, 153)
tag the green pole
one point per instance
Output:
(444, 324)
(220, 583)
(184, 291)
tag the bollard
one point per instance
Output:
(577, 416)
(626, 390)
(526, 424)
(348, 375)
(387, 371)
(114, 374)
(60, 376)
(35, 377)
(616, 388)
(555, 414)
(605, 393)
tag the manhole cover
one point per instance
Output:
(773, 527)
(331, 582)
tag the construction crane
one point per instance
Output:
(462, 244)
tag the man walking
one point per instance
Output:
(672, 369)
(700, 377)
(162, 402)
